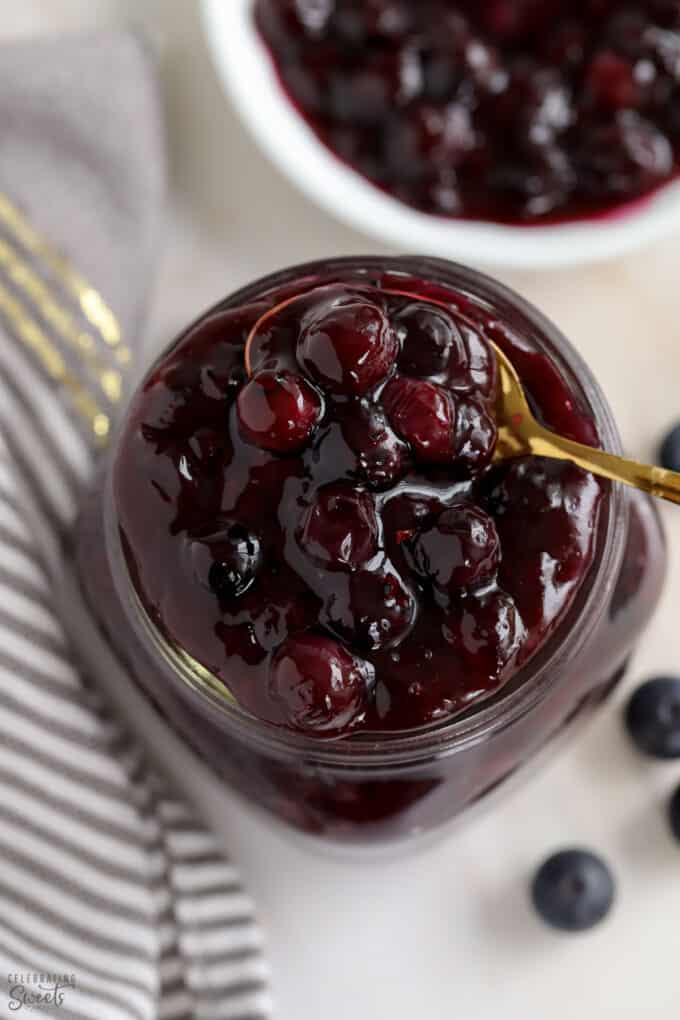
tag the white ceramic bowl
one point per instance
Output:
(249, 78)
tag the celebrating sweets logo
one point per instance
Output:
(38, 991)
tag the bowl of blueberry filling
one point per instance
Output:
(509, 132)
(321, 576)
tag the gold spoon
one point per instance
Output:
(519, 434)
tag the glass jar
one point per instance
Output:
(380, 788)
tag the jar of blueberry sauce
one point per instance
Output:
(315, 569)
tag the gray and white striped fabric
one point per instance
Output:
(109, 887)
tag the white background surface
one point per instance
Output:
(445, 934)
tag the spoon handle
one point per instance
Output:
(656, 481)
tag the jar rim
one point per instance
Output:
(533, 681)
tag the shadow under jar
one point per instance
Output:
(408, 769)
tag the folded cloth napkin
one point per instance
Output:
(115, 903)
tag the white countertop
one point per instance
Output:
(445, 933)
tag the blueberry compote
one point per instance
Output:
(329, 536)
(506, 110)
(316, 571)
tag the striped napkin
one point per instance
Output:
(115, 903)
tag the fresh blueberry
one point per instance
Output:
(674, 813)
(573, 890)
(653, 717)
(670, 450)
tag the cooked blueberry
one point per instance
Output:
(406, 147)
(430, 341)
(362, 97)
(488, 633)
(670, 450)
(321, 688)
(477, 373)
(653, 717)
(573, 890)
(375, 611)
(347, 344)
(674, 813)
(461, 550)
(381, 457)
(542, 179)
(610, 82)
(423, 414)
(476, 434)
(546, 512)
(340, 527)
(307, 86)
(278, 411)
(227, 561)
(537, 101)
(622, 157)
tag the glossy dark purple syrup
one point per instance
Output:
(527, 111)
(330, 537)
